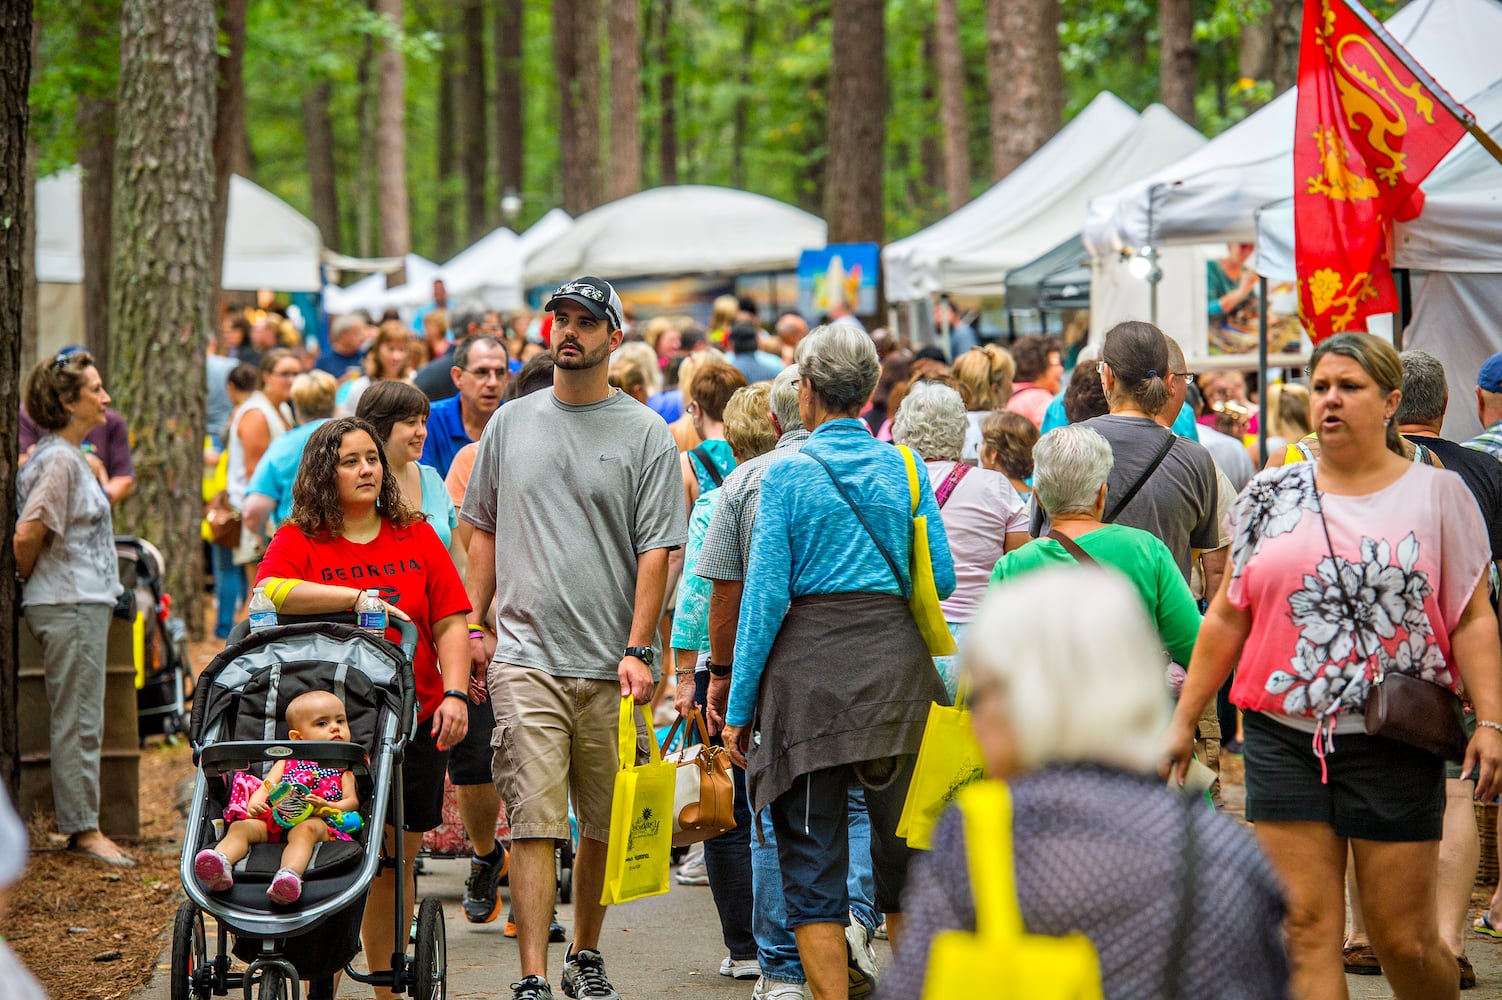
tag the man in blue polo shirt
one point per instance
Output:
(480, 373)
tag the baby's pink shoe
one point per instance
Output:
(286, 887)
(213, 870)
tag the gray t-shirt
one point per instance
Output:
(573, 495)
(1177, 503)
(77, 564)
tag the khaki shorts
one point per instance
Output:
(555, 739)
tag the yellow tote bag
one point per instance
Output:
(924, 600)
(1035, 966)
(949, 759)
(641, 818)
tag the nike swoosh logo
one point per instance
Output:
(609, 458)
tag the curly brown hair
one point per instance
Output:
(315, 493)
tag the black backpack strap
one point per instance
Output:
(1152, 467)
(710, 469)
(855, 508)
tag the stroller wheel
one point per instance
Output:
(190, 953)
(275, 985)
(430, 969)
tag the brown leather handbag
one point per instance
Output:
(704, 798)
(224, 521)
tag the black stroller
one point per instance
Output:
(164, 675)
(237, 725)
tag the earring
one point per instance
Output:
(1387, 421)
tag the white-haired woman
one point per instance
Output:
(1070, 468)
(983, 515)
(829, 662)
(1069, 706)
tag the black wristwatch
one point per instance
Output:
(718, 669)
(451, 693)
(642, 653)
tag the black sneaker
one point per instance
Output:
(556, 933)
(481, 900)
(584, 977)
(532, 988)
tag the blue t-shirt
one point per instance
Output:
(277, 469)
(1184, 425)
(668, 405)
(437, 504)
(338, 365)
(446, 435)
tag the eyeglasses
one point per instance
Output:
(1100, 368)
(1188, 377)
(285, 374)
(485, 374)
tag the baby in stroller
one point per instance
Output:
(312, 804)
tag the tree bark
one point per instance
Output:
(576, 56)
(472, 124)
(364, 170)
(162, 284)
(853, 204)
(16, 41)
(624, 150)
(1026, 80)
(952, 115)
(667, 98)
(1178, 57)
(1287, 19)
(231, 144)
(510, 118)
(445, 198)
(98, 31)
(29, 291)
(391, 140)
(318, 136)
(741, 120)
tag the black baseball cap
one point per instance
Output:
(594, 294)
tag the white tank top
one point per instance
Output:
(238, 480)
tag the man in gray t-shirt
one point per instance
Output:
(581, 485)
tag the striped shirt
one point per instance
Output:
(727, 543)
(1489, 441)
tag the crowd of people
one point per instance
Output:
(1128, 592)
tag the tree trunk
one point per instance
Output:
(742, 115)
(318, 137)
(231, 144)
(162, 284)
(508, 96)
(667, 98)
(625, 77)
(1287, 19)
(445, 198)
(576, 56)
(98, 34)
(1178, 57)
(853, 203)
(930, 151)
(29, 290)
(364, 170)
(952, 116)
(16, 41)
(391, 141)
(1026, 79)
(471, 102)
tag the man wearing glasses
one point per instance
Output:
(481, 374)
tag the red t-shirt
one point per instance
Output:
(409, 567)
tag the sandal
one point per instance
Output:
(1483, 925)
(1360, 960)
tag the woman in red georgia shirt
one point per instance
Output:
(351, 531)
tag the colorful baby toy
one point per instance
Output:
(290, 806)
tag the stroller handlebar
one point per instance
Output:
(238, 755)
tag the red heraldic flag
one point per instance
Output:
(1367, 133)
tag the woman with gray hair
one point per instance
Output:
(1068, 708)
(983, 515)
(1071, 466)
(830, 666)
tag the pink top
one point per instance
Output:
(1410, 557)
(977, 516)
(1031, 401)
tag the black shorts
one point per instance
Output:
(469, 761)
(1378, 789)
(422, 782)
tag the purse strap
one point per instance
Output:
(693, 720)
(1340, 584)
(986, 808)
(855, 508)
(1072, 547)
(950, 482)
(707, 461)
(1152, 467)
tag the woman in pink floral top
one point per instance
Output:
(1398, 585)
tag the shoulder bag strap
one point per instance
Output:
(710, 469)
(1072, 547)
(1152, 467)
(952, 480)
(855, 509)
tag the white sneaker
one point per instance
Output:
(740, 968)
(767, 989)
(693, 870)
(860, 960)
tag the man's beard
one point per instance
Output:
(582, 361)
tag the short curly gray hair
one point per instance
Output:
(932, 422)
(839, 363)
(1069, 465)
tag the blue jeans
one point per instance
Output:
(229, 588)
(777, 949)
(727, 859)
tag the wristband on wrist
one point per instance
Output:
(451, 693)
(476, 632)
(1489, 724)
(719, 669)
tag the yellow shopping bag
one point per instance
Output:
(1035, 966)
(949, 758)
(641, 818)
(924, 600)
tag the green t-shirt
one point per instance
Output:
(1143, 559)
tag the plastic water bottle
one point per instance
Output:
(262, 611)
(370, 613)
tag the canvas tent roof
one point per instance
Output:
(267, 243)
(1059, 279)
(1037, 205)
(1215, 192)
(689, 229)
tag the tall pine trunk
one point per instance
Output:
(1178, 57)
(445, 200)
(954, 123)
(391, 142)
(509, 118)
(853, 205)
(162, 284)
(472, 122)
(16, 41)
(741, 120)
(30, 293)
(1026, 79)
(318, 145)
(98, 46)
(1286, 17)
(624, 150)
(231, 144)
(667, 98)
(364, 168)
(576, 57)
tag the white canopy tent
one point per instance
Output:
(689, 229)
(1038, 205)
